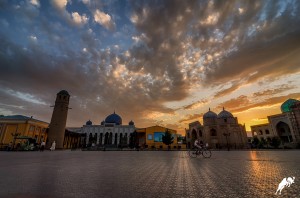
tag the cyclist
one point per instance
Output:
(198, 143)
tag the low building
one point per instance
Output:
(15, 126)
(151, 138)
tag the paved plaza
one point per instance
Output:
(147, 174)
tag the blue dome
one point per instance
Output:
(89, 123)
(225, 114)
(114, 118)
(209, 114)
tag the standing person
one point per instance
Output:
(53, 146)
(42, 146)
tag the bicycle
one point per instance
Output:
(204, 151)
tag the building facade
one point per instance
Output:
(19, 126)
(111, 131)
(218, 130)
(151, 137)
(284, 125)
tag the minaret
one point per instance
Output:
(58, 121)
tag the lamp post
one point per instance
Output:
(226, 135)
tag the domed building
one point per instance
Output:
(110, 131)
(286, 125)
(218, 130)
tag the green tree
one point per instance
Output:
(167, 138)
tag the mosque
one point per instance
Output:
(110, 131)
(285, 125)
(218, 130)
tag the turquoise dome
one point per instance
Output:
(286, 106)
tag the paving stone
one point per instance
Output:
(115, 174)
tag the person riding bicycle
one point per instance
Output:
(198, 143)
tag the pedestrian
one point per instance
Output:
(53, 146)
(42, 146)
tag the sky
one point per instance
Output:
(160, 62)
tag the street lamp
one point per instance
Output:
(226, 135)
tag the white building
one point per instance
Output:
(108, 132)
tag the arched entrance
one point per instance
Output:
(106, 140)
(284, 132)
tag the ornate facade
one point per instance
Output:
(286, 125)
(108, 132)
(218, 130)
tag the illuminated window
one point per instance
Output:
(150, 137)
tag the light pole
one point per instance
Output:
(226, 135)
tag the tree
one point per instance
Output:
(167, 138)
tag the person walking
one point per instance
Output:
(42, 146)
(53, 146)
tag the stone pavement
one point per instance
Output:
(152, 174)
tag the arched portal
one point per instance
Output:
(213, 132)
(116, 139)
(194, 136)
(284, 132)
(106, 139)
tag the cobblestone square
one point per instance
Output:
(147, 174)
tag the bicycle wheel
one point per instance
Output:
(206, 153)
(193, 152)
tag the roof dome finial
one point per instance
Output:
(209, 109)
(223, 108)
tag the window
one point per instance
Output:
(260, 132)
(150, 137)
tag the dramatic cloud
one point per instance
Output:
(155, 62)
(104, 20)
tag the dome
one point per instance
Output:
(286, 106)
(63, 92)
(209, 114)
(114, 118)
(102, 123)
(225, 114)
(131, 123)
(89, 123)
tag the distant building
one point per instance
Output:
(111, 131)
(151, 137)
(219, 131)
(284, 125)
(21, 126)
